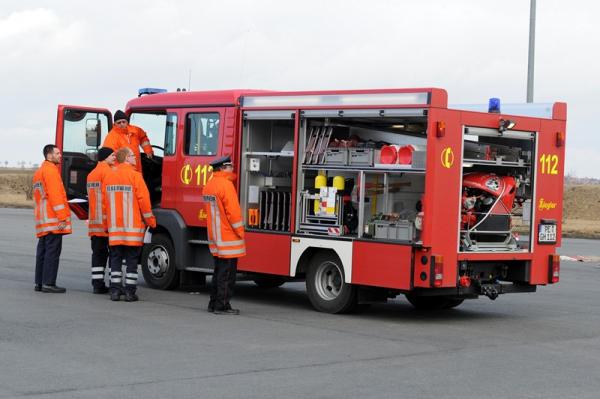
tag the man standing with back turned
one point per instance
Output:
(128, 211)
(97, 218)
(52, 219)
(225, 233)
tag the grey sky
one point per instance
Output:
(100, 53)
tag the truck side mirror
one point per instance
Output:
(93, 127)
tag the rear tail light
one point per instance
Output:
(438, 270)
(554, 276)
(464, 281)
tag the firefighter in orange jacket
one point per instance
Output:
(128, 211)
(125, 135)
(52, 219)
(97, 230)
(225, 233)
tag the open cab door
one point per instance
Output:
(80, 131)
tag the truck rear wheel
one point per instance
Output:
(433, 302)
(158, 263)
(325, 285)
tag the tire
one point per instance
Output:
(158, 263)
(325, 285)
(433, 302)
(269, 281)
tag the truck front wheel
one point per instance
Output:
(158, 263)
(325, 285)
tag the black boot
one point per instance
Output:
(54, 289)
(130, 296)
(115, 294)
(227, 310)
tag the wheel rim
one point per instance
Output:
(329, 281)
(158, 261)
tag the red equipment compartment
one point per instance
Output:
(266, 253)
(381, 265)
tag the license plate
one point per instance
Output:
(547, 233)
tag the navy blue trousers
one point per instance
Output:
(223, 282)
(99, 258)
(129, 254)
(46, 259)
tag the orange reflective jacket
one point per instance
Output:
(132, 137)
(51, 206)
(96, 217)
(224, 217)
(127, 206)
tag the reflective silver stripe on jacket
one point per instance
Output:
(51, 220)
(126, 238)
(145, 143)
(236, 225)
(231, 251)
(58, 207)
(216, 226)
(44, 229)
(148, 215)
(93, 188)
(126, 230)
(127, 191)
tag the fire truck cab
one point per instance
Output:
(364, 194)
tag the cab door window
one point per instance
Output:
(83, 131)
(202, 134)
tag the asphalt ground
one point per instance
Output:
(79, 345)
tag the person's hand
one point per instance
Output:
(62, 225)
(150, 156)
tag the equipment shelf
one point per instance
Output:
(270, 154)
(364, 169)
(509, 164)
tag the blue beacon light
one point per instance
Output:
(494, 105)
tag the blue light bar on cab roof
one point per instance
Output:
(150, 90)
(494, 105)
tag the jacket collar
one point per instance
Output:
(50, 163)
(226, 175)
(125, 165)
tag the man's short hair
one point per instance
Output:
(48, 148)
(122, 154)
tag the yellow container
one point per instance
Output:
(339, 183)
(320, 181)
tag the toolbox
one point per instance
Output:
(336, 156)
(402, 230)
(361, 156)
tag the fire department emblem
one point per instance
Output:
(447, 157)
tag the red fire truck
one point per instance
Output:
(364, 194)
